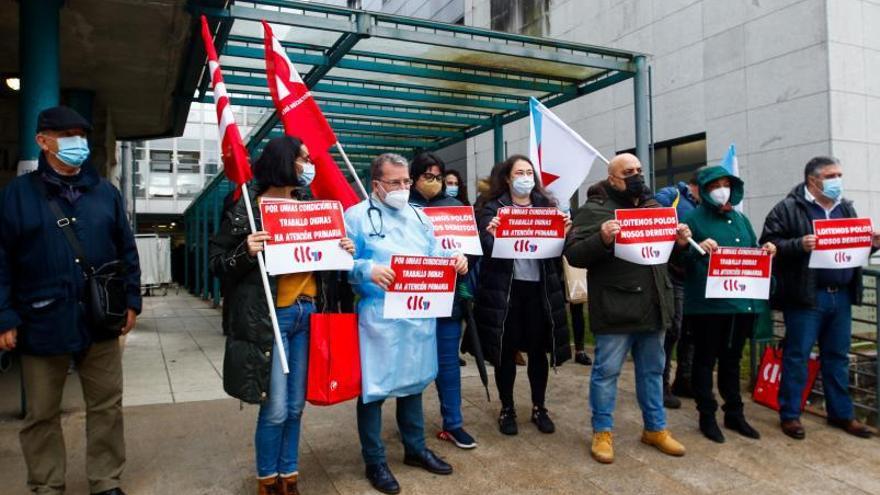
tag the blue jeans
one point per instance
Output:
(278, 424)
(649, 357)
(449, 372)
(410, 422)
(830, 323)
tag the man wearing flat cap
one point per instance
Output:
(42, 301)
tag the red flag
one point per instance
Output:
(235, 157)
(302, 118)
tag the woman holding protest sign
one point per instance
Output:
(520, 303)
(252, 370)
(427, 172)
(720, 323)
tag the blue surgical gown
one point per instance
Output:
(398, 356)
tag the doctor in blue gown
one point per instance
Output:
(398, 356)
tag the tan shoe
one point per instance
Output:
(268, 486)
(287, 484)
(663, 441)
(603, 447)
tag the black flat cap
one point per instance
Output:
(61, 119)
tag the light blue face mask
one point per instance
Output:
(832, 188)
(307, 175)
(452, 191)
(73, 150)
(523, 185)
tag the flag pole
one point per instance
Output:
(268, 290)
(351, 169)
(691, 240)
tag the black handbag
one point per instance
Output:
(104, 299)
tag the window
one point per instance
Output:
(676, 160)
(160, 161)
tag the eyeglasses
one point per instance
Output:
(397, 184)
(429, 177)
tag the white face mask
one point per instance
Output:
(397, 199)
(720, 196)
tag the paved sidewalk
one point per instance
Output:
(179, 443)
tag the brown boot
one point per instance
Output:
(287, 484)
(268, 486)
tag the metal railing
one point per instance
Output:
(864, 365)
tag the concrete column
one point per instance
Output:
(39, 61)
(642, 117)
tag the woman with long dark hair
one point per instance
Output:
(455, 186)
(252, 370)
(520, 303)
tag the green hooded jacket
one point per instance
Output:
(728, 229)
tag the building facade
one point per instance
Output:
(784, 80)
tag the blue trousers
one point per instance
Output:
(278, 424)
(649, 357)
(410, 422)
(829, 324)
(449, 372)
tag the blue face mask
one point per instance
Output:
(832, 188)
(73, 150)
(307, 175)
(452, 191)
(523, 185)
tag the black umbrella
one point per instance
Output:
(472, 345)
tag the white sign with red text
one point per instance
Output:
(529, 233)
(738, 273)
(455, 228)
(305, 236)
(423, 287)
(842, 243)
(647, 235)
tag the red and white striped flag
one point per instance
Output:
(236, 163)
(302, 118)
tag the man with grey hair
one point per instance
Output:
(816, 303)
(398, 356)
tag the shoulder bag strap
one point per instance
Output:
(64, 224)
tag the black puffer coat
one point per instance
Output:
(493, 293)
(247, 362)
(784, 226)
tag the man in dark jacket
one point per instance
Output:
(41, 293)
(630, 306)
(816, 303)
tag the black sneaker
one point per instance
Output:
(581, 357)
(507, 421)
(459, 437)
(542, 420)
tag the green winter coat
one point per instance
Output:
(728, 229)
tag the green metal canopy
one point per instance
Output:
(394, 83)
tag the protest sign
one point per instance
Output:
(738, 273)
(455, 228)
(529, 233)
(647, 235)
(842, 243)
(423, 287)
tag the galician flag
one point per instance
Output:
(562, 157)
(302, 118)
(236, 163)
(730, 163)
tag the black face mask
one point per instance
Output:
(635, 185)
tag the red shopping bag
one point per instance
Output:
(334, 359)
(770, 375)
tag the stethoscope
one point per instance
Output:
(380, 232)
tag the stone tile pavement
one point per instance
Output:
(184, 436)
